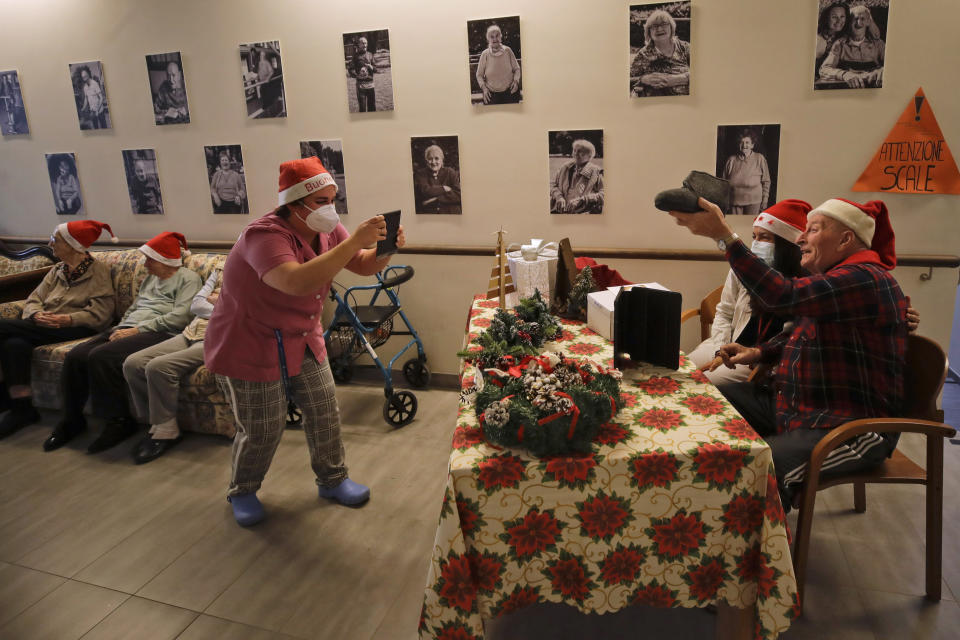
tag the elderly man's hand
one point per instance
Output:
(120, 334)
(708, 222)
(733, 354)
(401, 237)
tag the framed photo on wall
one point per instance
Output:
(575, 158)
(436, 174)
(330, 153)
(168, 88)
(850, 44)
(228, 184)
(749, 157)
(13, 116)
(369, 72)
(494, 60)
(90, 95)
(143, 180)
(660, 49)
(262, 72)
(64, 183)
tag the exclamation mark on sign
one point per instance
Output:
(918, 100)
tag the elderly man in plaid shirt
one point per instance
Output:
(844, 356)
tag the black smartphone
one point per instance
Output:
(388, 246)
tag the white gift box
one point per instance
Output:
(530, 275)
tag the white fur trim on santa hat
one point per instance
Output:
(849, 215)
(69, 239)
(306, 187)
(150, 252)
(775, 225)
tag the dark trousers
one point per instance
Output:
(504, 97)
(95, 368)
(792, 449)
(17, 341)
(366, 99)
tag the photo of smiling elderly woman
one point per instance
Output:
(494, 58)
(436, 174)
(660, 49)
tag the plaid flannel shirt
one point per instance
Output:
(845, 356)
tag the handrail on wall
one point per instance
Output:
(929, 261)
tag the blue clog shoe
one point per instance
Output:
(347, 493)
(247, 509)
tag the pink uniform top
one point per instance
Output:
(240, 342)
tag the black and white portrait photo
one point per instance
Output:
(494, 51)
(168, 88)
(330, 153)
(851, 39)
(576, 171)
(436, 174)
(143, 181)
(369, 77)
(660, 49)
(90, 93)
(263, 80)
(62, 171)
(13, 117)
(228, 187)
(748, 156)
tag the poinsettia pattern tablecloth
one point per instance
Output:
(677, 506)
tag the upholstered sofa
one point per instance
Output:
(202, 407)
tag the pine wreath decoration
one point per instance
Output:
(548, 404)
(515, 334)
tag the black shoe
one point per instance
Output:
(114, 432)
(697, 184)
(151, 448)
(65, 431)
(16, 419)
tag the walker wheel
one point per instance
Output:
(417, 373)
(342, 370)
(400, 408)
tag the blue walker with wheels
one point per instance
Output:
(358, 329)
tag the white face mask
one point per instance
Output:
(763, 250)
(322, 219)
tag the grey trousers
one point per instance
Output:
(153, 376)
(260, 411)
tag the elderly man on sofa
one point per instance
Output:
(843, 359)
(95, 368)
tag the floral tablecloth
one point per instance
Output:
(676, 506)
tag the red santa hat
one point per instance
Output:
(787, 219)
(165, 248)
(869, 221)
(80, 234)
(299, 178)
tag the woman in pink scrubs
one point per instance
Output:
(274, 283)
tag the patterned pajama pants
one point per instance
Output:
(260, 411)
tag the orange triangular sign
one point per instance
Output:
(914, 158)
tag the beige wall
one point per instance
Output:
(752, 63)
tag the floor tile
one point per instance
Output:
(66, 613)
(210, 628)
(143, 620)
(21, 587)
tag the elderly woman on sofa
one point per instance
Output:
(75, 300)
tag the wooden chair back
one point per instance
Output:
(924, 375)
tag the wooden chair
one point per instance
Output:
(924, 374)
(707, 312)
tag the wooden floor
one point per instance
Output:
(94, 547)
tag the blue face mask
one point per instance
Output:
(763, 250)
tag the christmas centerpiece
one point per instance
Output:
(548, 404)
(514, 334)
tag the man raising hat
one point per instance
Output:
(75, 300)
(95, 368)
(844, 357)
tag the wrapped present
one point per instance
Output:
(534, 268)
